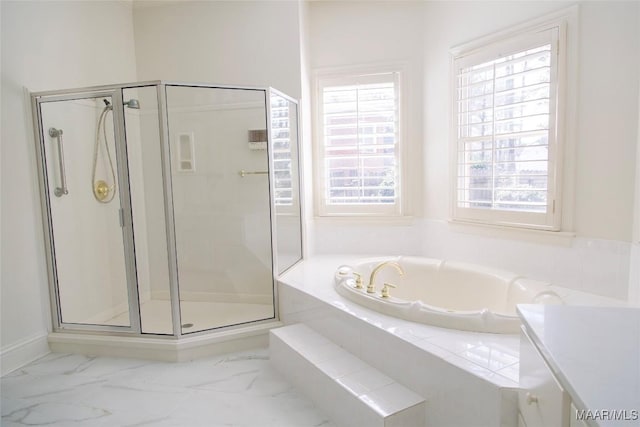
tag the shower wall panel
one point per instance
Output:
(135, 155)
(147, 200)
(288, 216)
(222, 219)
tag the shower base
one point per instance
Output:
(201, 315)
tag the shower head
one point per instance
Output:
(132, 103)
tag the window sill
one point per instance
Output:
(558, 238)
(364, 220)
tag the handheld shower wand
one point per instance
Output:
(102, 191)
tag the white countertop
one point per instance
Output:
(594, 352)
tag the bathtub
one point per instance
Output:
(443, 293)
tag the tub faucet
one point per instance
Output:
(371, 287)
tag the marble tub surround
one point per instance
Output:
(343, 386)
(315, 277)
(596, 266)
(237, 389)
(458, 369)
(466, 378)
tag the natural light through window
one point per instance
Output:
(506, 123)
(359, 144)
(280, 127)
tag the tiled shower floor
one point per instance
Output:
(239, 389)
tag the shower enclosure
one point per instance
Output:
(169, 207)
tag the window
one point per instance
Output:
(281, 116)
(358, 144)
(507, 133)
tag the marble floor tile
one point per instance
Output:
(238, 389)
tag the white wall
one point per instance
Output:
(45, 45)
(606, 106)
(448, 24)
(608, 114)
(344, 34)
(306, 148)
(252, 43)
(52, 45)
(601, 158)
(222, 220)
(634, 260)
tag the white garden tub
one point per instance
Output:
(446, 294)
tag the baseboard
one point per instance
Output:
(23, 352)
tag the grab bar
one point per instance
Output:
(62, 190)
(244, 173)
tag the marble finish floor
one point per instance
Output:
(238, 389)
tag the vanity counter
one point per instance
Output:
(594, 354)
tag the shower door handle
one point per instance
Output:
(62, 190)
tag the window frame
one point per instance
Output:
(347, 75)
(490, 48)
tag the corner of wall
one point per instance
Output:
(634, 262)
(70, 26)
(305, 127)
(22, 352)
(634, 274)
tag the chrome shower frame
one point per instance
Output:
(116, 94)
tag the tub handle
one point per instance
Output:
(385, 290)
(531, 398)
(358, 280)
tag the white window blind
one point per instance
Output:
(282, 150)
(506, 99)
(359, 150)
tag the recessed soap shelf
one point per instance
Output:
(186, 152)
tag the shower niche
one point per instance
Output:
(160, 218)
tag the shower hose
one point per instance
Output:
(103, 193)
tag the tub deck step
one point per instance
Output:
(350, 391)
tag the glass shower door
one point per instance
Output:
(220, 181)
(286, 176)
(83, 194)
